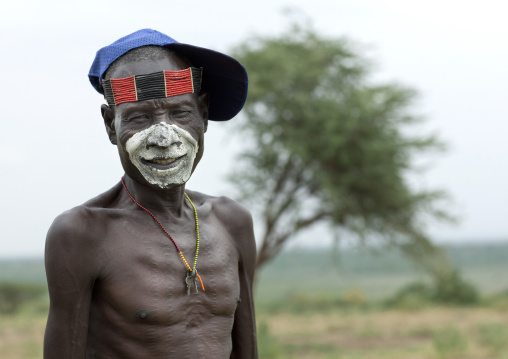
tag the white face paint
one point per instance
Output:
(164, 154)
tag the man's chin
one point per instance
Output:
(168, 182)
(169, 185)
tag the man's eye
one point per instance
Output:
(180, 113)
(138, 117)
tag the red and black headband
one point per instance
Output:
(160, 84)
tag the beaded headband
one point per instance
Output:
(160, 84)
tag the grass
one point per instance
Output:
(339, 331)
(21, 336)
(432, 333)
(305, 312)
(449, 342)
(358, 334)
(494, 337)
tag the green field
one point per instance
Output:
(320, 304)
(376, 274)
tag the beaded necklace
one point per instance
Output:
(192, 275)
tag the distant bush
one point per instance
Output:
(353, 297)
(412, 296)
(300, 302)
(498, 300)
(453, 289)
(14, 295)
(303, 302)
(448, 289)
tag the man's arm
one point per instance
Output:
(70, 272)
(244, 327)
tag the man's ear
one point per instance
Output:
(108, 114)
(204, 102)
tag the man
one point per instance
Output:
(150, 269)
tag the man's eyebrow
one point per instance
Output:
(188, 103)
(132, 107)
(160, 103)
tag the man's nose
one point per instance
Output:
(162, 136)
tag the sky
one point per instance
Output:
(55, 154)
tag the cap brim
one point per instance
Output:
(224, 78)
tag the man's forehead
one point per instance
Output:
(141, 65)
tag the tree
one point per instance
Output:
(330, 145)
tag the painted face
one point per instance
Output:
(164, 154)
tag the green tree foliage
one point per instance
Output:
(330, 145)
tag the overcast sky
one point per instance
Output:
(55, 153)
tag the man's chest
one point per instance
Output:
(143, 273)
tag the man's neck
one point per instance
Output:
(166, 201)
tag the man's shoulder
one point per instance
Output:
(77, 226)
(222, 207)
(233, 216)
(237, 220)
(70, 228)
(230, 206)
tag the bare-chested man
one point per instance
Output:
(143, 271)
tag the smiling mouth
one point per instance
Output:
(163, 163)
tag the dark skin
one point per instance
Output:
(116, 281)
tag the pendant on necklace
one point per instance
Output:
(192, 281)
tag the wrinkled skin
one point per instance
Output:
(116, 282)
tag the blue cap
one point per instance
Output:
(224, 78)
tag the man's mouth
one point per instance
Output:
(162, 163)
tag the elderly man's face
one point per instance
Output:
(160, 141)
